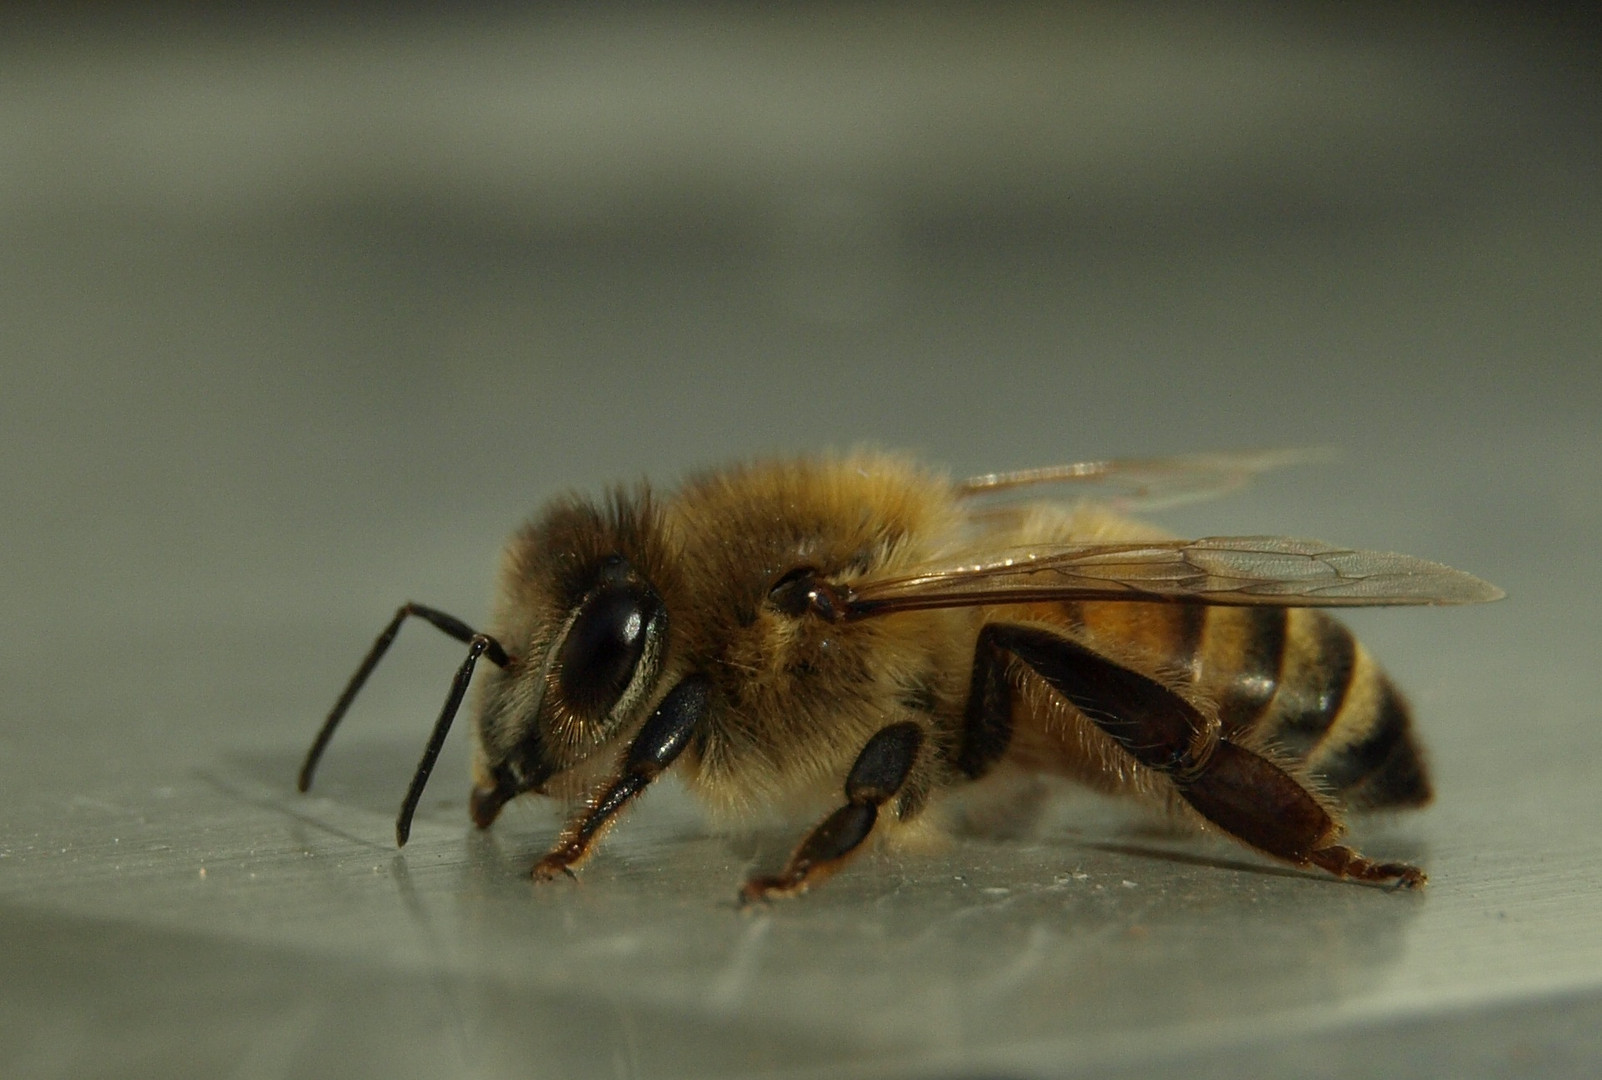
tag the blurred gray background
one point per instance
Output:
(300, 315)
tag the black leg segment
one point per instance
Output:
(659, 742)
(884, 763)
(987, 720)
(877, 776)
(1157, 726)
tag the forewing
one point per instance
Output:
(1273, 571)
(1146, 483)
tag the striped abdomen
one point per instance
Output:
(1290, 678)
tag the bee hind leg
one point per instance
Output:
(1255, 800)
(1346, 863)
(1240, 791)
(877, 776)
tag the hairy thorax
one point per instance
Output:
(795, 699)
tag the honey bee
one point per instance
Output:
(864, 635)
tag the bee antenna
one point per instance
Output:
(481, 645)
(478, 645)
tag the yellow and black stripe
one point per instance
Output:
(1290, 678)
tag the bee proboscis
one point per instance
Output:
(864, 634)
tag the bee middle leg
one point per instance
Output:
(880, 771)
(1235, 788)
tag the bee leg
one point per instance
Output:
(1240, 791)
(987, 718)
(659, 742)
(877, 776)
(1255, 800)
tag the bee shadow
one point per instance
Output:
(369, 775)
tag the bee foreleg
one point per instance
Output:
(1237, 789)
(656, 746)
(877, 776)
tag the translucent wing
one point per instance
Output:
(1148, 483)
(1271, 571)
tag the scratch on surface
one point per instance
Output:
(444, 983)
(729, 988)
(271, 801)
(1023, 965)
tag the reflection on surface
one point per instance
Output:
(1088, 930)
(103, 994)
(983, 945)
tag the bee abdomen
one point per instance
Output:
(1292, 679)
(1332, 707)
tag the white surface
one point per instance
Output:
(296, 324)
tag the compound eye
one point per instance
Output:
(604, 646)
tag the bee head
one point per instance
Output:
(581, 613)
